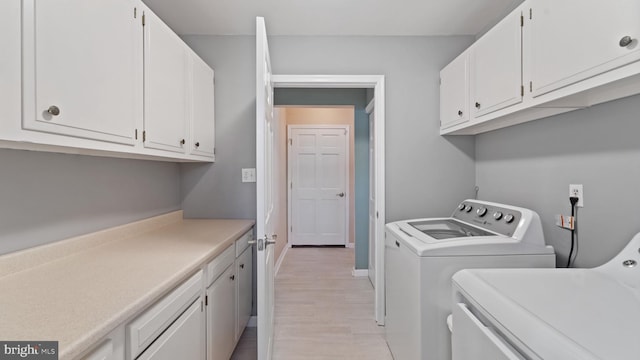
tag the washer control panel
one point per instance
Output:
(493, 218)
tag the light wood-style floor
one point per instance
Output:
(322, 311)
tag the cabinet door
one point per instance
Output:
(10, 85)
(166, 61)
(576, 39)
(244, 270)
(454, 92)
(496, 67)
(202, 114)
(221, 319)
(82, 68)
(184, 339)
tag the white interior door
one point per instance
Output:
(319, 175)
(266, 215)
(372, 199)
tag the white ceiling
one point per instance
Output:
(332, 17)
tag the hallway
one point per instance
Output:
(322, 311)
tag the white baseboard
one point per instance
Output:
(350, 245)
(359, 272)
(280, 259)
(253, 321)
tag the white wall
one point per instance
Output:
(533, 164)
(45, 197)
(427, 175)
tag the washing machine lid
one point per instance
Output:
(441, 229)
(567, 314)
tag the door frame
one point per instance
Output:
(347, 129)
(376, 82)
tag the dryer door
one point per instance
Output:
(472, 340)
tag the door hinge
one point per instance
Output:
(206, 300)
(136, 134)
(530, 86)
(135, 13)
(201, 306)
(291, 228)
(521, 20)
(377, 215)
(144, 136)
(522, 90)
(143, 20)
(291, 142)
(530, 13)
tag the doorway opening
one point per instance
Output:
(369, 214)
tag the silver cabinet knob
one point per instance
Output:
(625, 41)
(53, 110)
(340, 195)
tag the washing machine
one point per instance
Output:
(550, 314)
(421, 256)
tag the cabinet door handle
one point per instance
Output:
(198, 144)
(477, 105)
(53, 110)
(232, 277)
(625, 41)
(459, 112)
(241, 266)
(182, 142)
(397, 244)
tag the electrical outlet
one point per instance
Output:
(577, 191)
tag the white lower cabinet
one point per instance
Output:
(244, 271)
(221, 316)
(174, 325)
(182, 340)
(110, 348)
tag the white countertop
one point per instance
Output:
(80, 294)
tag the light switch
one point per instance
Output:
(249, 175)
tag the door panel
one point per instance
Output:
(496, 67)
(569, 46)
(84, 58)
(319, 176)
(221, 316)
(203, 109)
(166, 62)
(266, 216)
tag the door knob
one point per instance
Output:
(625, 41)
(53, 110)
(340, 195)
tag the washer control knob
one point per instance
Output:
(497, 215)
(461, 206)
(468, 208)
(509, 218)
(481, 211)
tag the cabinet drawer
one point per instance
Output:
(218, 265)
(243, 242)
(147, 327)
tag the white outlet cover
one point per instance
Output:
(579, 191)
(249, 175)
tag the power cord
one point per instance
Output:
(574, 201)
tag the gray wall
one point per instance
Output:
(357, 98)
(533, 164)
(426, 173)
(45, 197)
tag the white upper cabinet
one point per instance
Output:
(166, 66)
(82, 69)
(454, 92)
(10, 83)
(202, 109)
(572, 40)
(496, 67)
